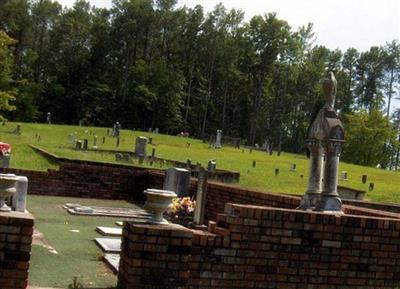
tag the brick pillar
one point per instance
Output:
(16, 231)
(154, 256)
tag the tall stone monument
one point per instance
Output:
(325, 138)
(218, 139)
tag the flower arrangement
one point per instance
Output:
(182, 209)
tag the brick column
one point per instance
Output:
(154, 256)
(16, 231)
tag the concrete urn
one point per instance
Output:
(7, 189)
(158, 201)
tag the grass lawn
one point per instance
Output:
(78, 255)
(54, 138)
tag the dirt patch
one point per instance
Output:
(40, 240)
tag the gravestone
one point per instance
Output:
(153, 153)
(109, 245)
(71, 138)
(150, 140)
(78, 145)
(276, 172)
(117, 144)
(5, 160)
(218, 139)
(254, 164)
(364, 179)
(18, 129)
(343, 176)
(156, 130)
(371, 186)
(109, 231)
(212, 165)
(201, 196)
(104, 140)
(85, 144)
(293, 167)
(48, 118)
(140, 146)
(95, 142)
(177, 180)
(19, 199)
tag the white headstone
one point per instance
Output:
(177, 180)
(218, 139)
(19, 199)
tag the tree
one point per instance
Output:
(6, 64)
(368, 133)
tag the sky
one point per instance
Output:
(337, 23)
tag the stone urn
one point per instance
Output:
(158, 201)
(7, 189)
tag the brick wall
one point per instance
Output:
(16, 231)
(264, 247)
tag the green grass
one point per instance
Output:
(78, 255)
(54, 138)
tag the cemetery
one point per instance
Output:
(73, 213)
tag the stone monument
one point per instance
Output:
(325, 138)
(140, 146)
(218, 139)
(178, 181)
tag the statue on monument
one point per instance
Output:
(329, 86)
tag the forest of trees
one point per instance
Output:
(151, 64)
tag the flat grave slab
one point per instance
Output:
(112, 260)
(109, 245)
(134, 212)
(109, 231)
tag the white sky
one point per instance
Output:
(337, 23)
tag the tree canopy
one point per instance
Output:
(150, 64)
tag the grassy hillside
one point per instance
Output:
(54, 138)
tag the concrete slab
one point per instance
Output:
(112, 260)
(109, 245)
(109, 231)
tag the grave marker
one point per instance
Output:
(364, 179)
(140, 146)
(177, 180)
(201, 196)
(276, 171)
(85, 144)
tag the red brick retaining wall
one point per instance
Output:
(264, 247)
(16, 231)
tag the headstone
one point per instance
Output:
(254, 164)
(109, 245)
(48, 118)
(276, 171)
(85, 144)
(218, 139)
(371, 186)
(109, 231)
(212, 165)
(140, 146)
(150, 140)
(95, 142)
(149, 130)
(156, 130)
(117, 144)
(104, 140)
(118, 157)
(177, 180)
(5, 160)
(153, 153)
(364, 179)
(71, 138)
(293, 167)
(237, 143)
(201, 196)
(78, 145)
(18, 129)
(19, 199)
(343, 176)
